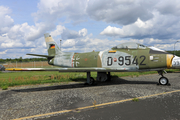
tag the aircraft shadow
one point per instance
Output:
(115, 81)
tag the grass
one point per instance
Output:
(135, 99)
(5, 87)
(94, 104)
(42, 77)
(28, 78)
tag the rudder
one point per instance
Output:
(52, 47)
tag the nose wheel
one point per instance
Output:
(163, 80)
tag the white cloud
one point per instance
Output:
(139, 28)
(71, 34)
(4, 52)
(83, 32)
(69, 43)
(50, 10)
(167, 7)
(148, 22)
(58, 31)
(86, 43)
(160, 27)
(112, 31)
(5, 20)
(120, 12)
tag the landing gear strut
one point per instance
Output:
(163, 80)
(90, 80)
(101, 76)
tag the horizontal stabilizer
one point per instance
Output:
(47, 56)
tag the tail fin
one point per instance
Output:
(52, 47)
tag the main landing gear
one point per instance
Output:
(90, 80)
(163, 80)
(101, 76)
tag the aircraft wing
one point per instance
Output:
(79, 69)
(67, 69)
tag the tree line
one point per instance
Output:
(177, 52)
(22, 60)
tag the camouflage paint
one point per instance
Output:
(140, 58)
(113, 60)
(89, 59)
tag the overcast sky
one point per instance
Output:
(86, 25)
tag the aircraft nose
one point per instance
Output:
(176, 62)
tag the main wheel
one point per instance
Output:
(108, 77)
(163, 81)
(91, 82)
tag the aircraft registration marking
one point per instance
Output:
(115, 59)
(126, 60)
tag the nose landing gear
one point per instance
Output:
(163, 80)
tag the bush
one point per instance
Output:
(5, 87)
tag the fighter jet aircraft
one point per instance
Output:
(126, 57)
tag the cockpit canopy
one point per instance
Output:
(130, 45)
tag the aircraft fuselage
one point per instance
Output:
(134, 59)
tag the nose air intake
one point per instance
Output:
(173, 62)
(176, 62)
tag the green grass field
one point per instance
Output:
(28, 78)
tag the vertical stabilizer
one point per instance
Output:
(52, 47)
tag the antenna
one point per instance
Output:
(60, 44)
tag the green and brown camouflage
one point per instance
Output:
(128, 57)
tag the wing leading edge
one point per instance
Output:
(67, 69)
(80, 69)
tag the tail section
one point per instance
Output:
(52, 47)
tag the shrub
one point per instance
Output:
(5, 87)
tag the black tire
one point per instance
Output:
(91, 82)
(163, 81)
(108, 77)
